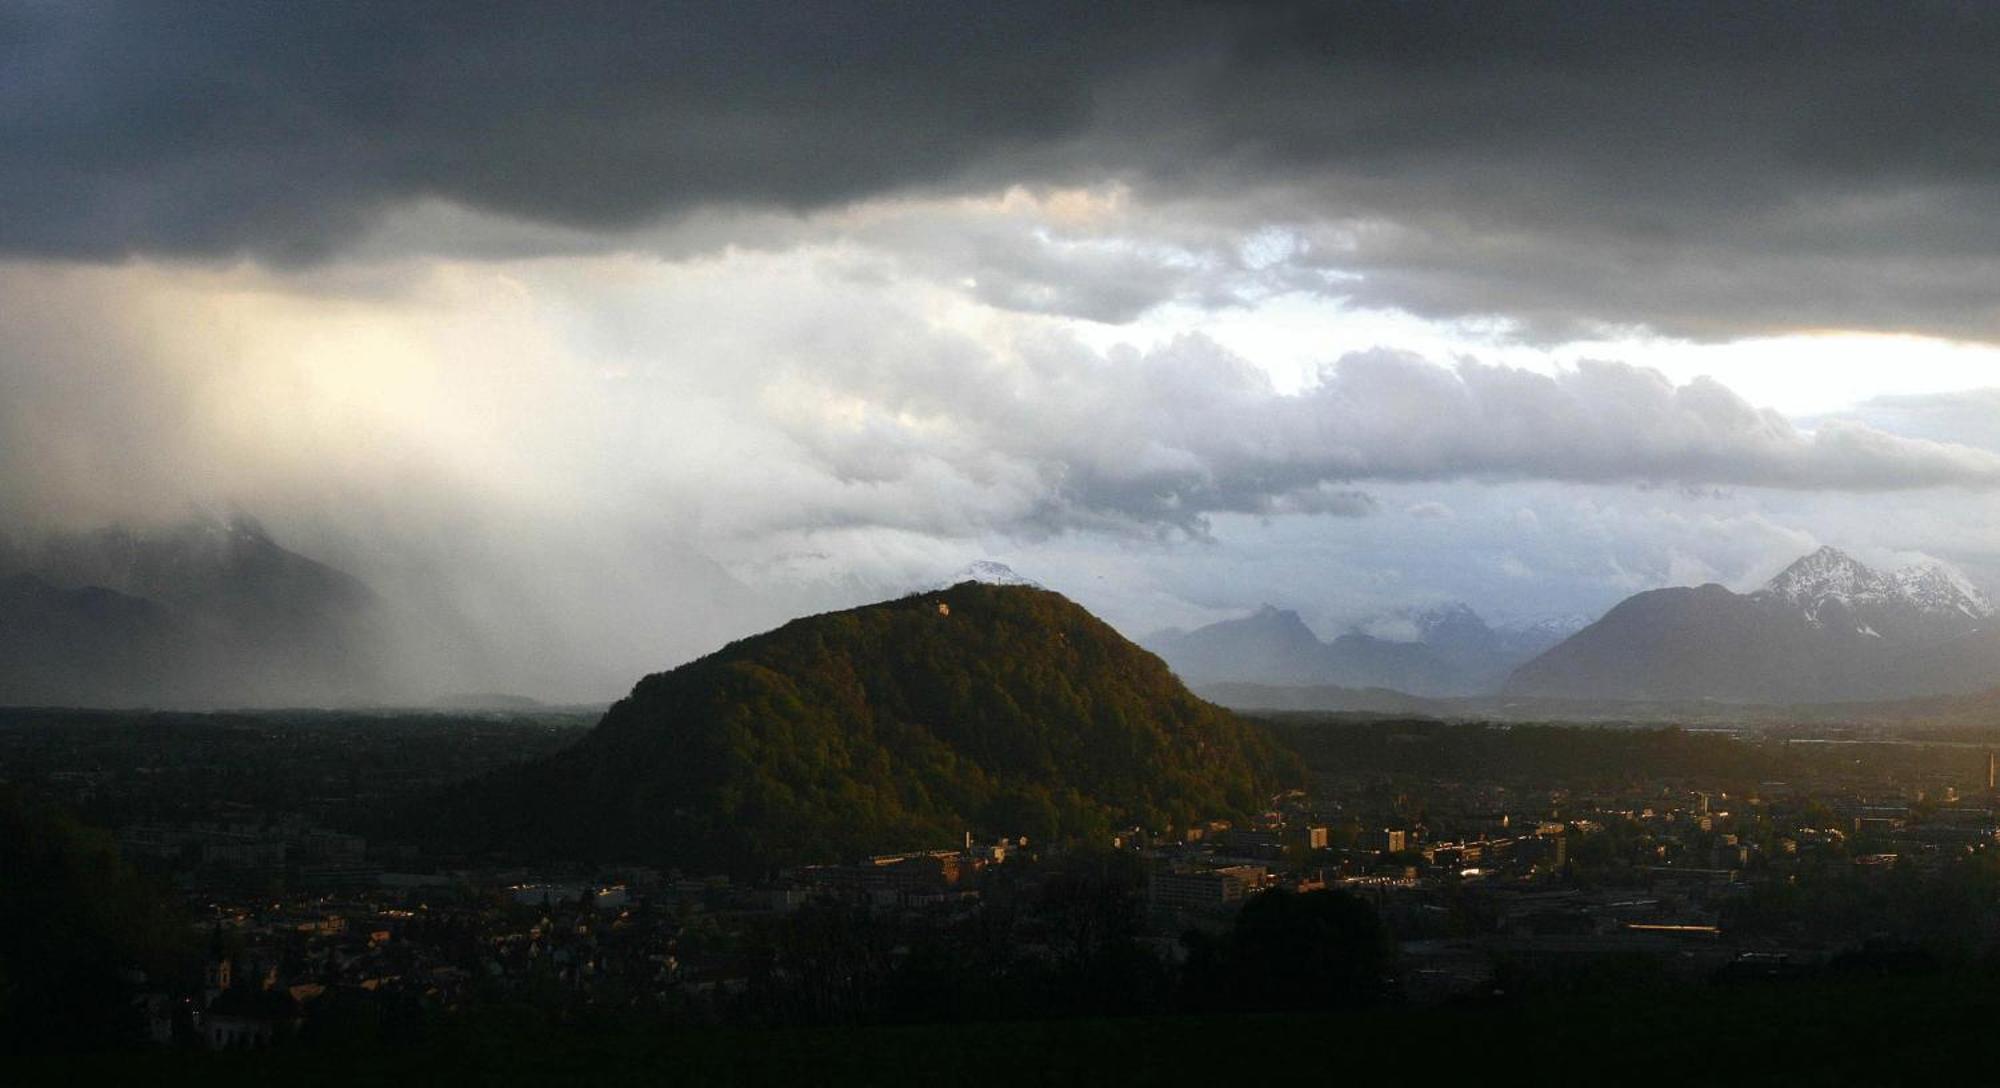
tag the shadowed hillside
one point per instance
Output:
(997, 709)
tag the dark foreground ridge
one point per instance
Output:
(1845, 1031)
(898, 725)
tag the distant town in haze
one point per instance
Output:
(999, 544)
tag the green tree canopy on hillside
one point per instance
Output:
(993, 709)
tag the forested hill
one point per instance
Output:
(904, 724)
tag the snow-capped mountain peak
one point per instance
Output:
(1936, 587)
(1828, 628)
(1830, 579)
(1829, 574)
(992, 574)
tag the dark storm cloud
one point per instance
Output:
(1703, 168)
(278, 128)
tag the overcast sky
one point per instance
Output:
(615, 330)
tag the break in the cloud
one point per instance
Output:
(1970, 417)
(765, 396)
(1704, 169)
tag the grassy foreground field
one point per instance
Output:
(1853, 1031)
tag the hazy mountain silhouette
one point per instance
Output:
(57, 644)
(1454, 652)
(1826, 628)
(206, 611)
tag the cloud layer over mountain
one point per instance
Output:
(900, 423)
(628, 328)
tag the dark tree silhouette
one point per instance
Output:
(79, 933)
(1288, 951)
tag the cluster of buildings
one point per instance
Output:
(1472, 879)
(1474, 876)
(419, 944)
(422, 945)
(1665, 871)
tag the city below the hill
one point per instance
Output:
(1489, 859)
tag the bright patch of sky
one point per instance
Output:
(1291, 336)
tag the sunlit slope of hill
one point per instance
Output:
(994, 709)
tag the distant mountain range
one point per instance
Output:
(207, 611)
(996, 709)
(215, 612)
(1455, 652)
(1827, 628)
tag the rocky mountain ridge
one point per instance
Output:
(1826, 628)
